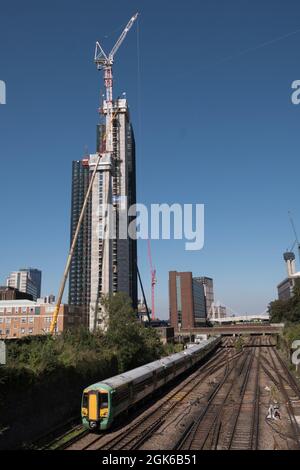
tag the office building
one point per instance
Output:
(48, 299)
(26, 280)
(208, 285)
(186, 300)
(285, 289)
(79, 278)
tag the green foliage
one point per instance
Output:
(55, 367)
(286, 310)
(126, 343)
(132, 343)
(291, 333)
(171, 348)
(239, 343)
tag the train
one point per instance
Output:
(103, 402)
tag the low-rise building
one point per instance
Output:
(219, 311)
(166, 334)
(285, 289)
(11, 293)
(23, 317)
(142, 311)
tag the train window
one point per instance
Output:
(121, 395)
(85, 400)
(141, 385)
(103, 400)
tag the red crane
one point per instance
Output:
(153, 281)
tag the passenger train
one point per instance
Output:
(102, 402)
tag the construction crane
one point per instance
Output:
(71, 252)
(143, 293)
(296, 242)
(103, 62)
(153, 281)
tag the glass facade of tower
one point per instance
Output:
(133, 287)
(199, 302)
(79, 279)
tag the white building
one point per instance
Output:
(26, 280)
(113, 257)
(218, 311)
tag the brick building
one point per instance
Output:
(20, 318)
(186, 300)
(11, 293)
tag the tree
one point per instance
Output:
(286, 310)
(278, 310)
(132, 342)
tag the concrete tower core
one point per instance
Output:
(113, 253)
(289, 258)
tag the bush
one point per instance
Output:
(286, 310)
(127, 343)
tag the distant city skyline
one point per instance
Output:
(209, 86)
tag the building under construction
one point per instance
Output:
(105, 257)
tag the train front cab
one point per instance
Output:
(96, 409)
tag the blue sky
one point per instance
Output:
(214, 124)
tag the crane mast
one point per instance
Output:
(105, 63)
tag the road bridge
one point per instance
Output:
(231, 330)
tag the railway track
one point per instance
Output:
(213, 429)
(205, 431)
(142, 429)
(230, 413)
(241, 435)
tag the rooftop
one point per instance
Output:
(24, 303)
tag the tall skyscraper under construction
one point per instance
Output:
(103, 262)
(105, 259)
